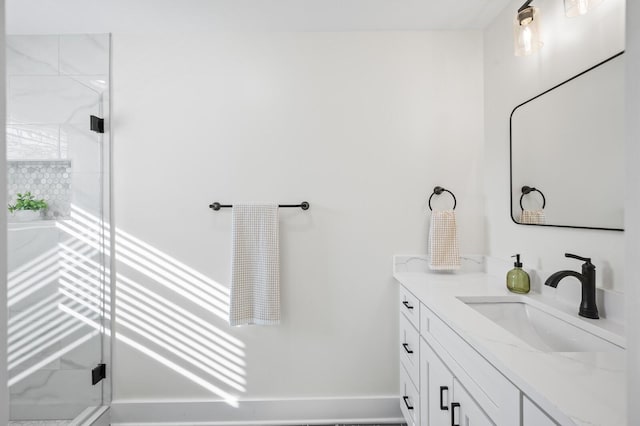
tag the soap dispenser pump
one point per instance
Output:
(517, 279)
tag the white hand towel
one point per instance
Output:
(443, 241)
(534, 217)
(255, 270)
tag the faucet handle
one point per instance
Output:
(575, 256)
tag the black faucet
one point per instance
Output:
(588, 308)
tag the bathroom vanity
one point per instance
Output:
(471, 353)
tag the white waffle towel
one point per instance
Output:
(534, 217)
(443, 241)
(255, 269)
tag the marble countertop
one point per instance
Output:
(582, 388)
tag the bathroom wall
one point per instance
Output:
(361, 125)
(571, 45)
(632, 224)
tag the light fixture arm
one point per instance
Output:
(524, 6)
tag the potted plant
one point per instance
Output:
(27, 208)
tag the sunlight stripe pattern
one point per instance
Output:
(255, 269)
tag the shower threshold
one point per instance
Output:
(92, 416)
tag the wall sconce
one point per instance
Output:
(579, 7)
(525, 30)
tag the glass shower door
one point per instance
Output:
(58, 281)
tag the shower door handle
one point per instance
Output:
(98, 373)
(96, 124)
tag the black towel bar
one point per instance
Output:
(217, 206)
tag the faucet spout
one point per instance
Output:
(555, 278)
(588, 307)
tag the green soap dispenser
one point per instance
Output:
(517, 279)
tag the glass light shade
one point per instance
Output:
(526, 32)
(579, 7)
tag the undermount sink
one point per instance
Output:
(542, 327)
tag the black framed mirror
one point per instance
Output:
(567, 152)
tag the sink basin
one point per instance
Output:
(545, 328)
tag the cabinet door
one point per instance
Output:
(464, 410)
(436, 388)
(533, 416)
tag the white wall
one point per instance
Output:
(571, 45)
(361, 125)
(152, 16)
(632, 224)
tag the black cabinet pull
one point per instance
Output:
(443, 407)
(406, 402)
(406, 303)
(455, 405)
(406, 348)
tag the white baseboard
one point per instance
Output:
(378, 410)
(92, 416)
(101, 417)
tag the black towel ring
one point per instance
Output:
(439, 190)
(527, 190)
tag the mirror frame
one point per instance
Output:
(511, 151)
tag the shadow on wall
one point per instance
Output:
(148, 321)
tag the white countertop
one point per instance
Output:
(585, 388)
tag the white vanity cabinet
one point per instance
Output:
(441, 375)
(497, 376)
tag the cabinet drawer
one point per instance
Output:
(492, 390)
(410, 350)
(409, 399)
(410, 306)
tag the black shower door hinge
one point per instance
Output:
(97, 124)
(98, 373)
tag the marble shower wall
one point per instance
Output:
(57, 267)
(54, 83)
